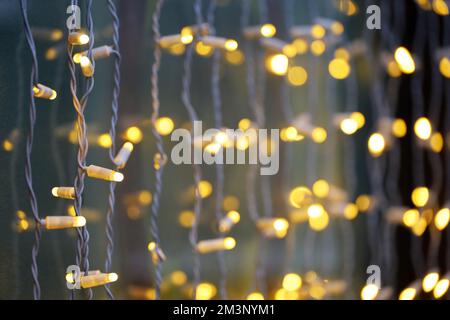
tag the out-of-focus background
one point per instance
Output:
(341, 252)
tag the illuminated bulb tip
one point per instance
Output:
(64, 192)
(97, 279)
(430, 281)
(268, 30)
(112, 277)
(221, 244)
(84, 38)
(404, 60)
(369, 292)
(118, 177)
(63, 222)
(104, 173)
(44, 92)
(78, 38)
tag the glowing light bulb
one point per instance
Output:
(339, 68)
(44, 92)
(399, 128)
(318, 31)
(178, 278)
(64, 192)
(300, 196)
(436, 142)
(297, 76)
(349, 126)
(231, 45)
(351, 211)
(404, 60)
(133, 134)
(411, 217)
(430, 281)
(205, 291)
(301, 46)
(123, 155)
(164, 126)
(315, 210)
(186, 219)
(268, 30)
(277, 64)
(319, 223)
(203, 50)
(422, 128)
(319, 135)
(369, 292)
(420, 196)
(86, 66)
(205, 188)
(104, 140)
(230, 219)
(318, 47)
(442, 218)
(376, 144)
(444, 67)
(441, 288)
(96, 280)
(292, 282)
(440, 7)
(255, 296)
(359, 118)
(212, 245)
(78, 38)
(104, 173)
(63, 222)
(321, 188)
(408, 294)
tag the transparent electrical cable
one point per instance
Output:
(186, 99)
(160, 156)
(218, 123)
(34, 76)
(112, 133)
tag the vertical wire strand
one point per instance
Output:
(218, 123)
(112, 133)
(159, 143)
(34, 76)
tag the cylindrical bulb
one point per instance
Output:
(86, 66)
(227, 222)
(63, 222)
(44, 92)
(123, 155)
(64, 192)
(212, 245)
(78, 38)
(96, 280)
(103, 173)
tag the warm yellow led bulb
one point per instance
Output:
(164, 126)
(320, 222)
(315, 210)
(300, 196)
(376, 144)
(133, 134)
(319, 135)
(321, 188)
(404, 60)
(339, 68)
(430, 281)
(277, 64)
(205, 188)
(348, 126)
(440, 7)
(408, 294)
(205, 291)
(441, 288)
(399, 128)
(292, 282)
(420, 196)
(104, 140)
(231, 45)
(351, 211)
(268, 30)
(410, 217)
(318, 47)
(255, 296)
(442, 218)
(297, 76)
(423, 128)
(318, 31)
(369, 292)
(444, 67)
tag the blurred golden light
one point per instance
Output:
(419, 228)
(235, 57)
(408, 294)
(399, 128)
(8, 145)
(104, 140)
(205, 188)
(317, 291)
(359, 118)
(339, 68)
(319, 223)
(231, 45)
(268, 30)
(277, 64)
(203, 49)
(292, 282)
(205, 291)
(318, 47)
(315, 210)
(410, 217)
(348, 126)
(442, 218)
(369, 292)
(133, 134)
(244, 124)
(437, 142)
(164, 126)
(376, 144)
(297, 76)
(301, 46)
(420, 196)
(351, 211)
(318, 31)
(441, 288)
(430, 281)
(319, 135)
(444, 67)
(422, 128)
(440, 7)
(337, 28)
(177, 49)
(393, 69)
(255, 296)
(300, 196)
(342, 53)
(404, 60)
(230, 203)
(321, 188)
(281, 227)
(186, 218)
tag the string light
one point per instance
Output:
(277, 64)
(97, 53)
(420, 196)
(63, 222)
(104, 173)
(369, 292)
(422, 128)
(227, 222)
(212, 245)
(164, 126)
(376, 144)
(133, 134)
(64, 192)
(44, 92)
(220, 43)
(404, 60)
(273, 227)
(442, 219)
(442, 286)
(266, 30)
(292, 282)
(77, 38)
(429, 281)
